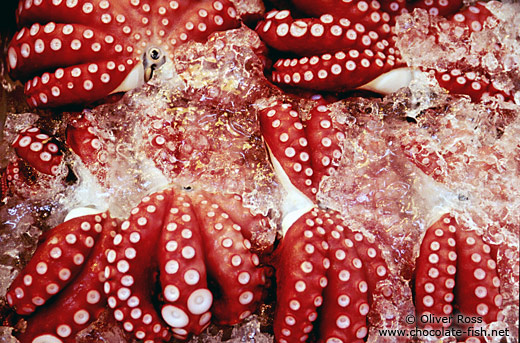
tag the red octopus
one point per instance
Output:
(185, 238)
(77, 52)
(350, 45)
(456, 271)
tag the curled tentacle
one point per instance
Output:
(39, 150)
(79, 304)
(55, 263)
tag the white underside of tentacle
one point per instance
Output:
(133, 80)
(295, 203)
(80, 212)
(391, 81)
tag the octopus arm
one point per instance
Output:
(301, 274)
(477, 282)
(78, 305)
(340, 71)
(48, 47)
(201, 20)
(98, 80)
(313, 36)
(55, 264)
(230, 263)
(344, 312)
(325, 141)
(284, 135)
(182, 264)
(39, 150)
(131, 269)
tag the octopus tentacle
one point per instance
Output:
(4, 185)
(187, 299)
(473, 17)
(201, 20)
(438, 7)
(375, 266)
(394, 8)
(62, 11)
(78, 304)
(305, 37)
(477, 283)
(284, 135)
(82, 83)
(301, 278)
(18, 175)
(415, 149)
(230, 263)
(232, 204)
(436, 269)
(325, 141)
(81, 139)
(47, 47)
(340, 71)
(132, 257)
(471, 83)
(346, 296)
(39, 150)
(55, 263)
(456, 273)
(345, 9)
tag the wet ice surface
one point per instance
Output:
(194, 126)
(247, 332)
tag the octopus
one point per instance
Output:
(112, 263)
(185, 257)
(108, 46)
(351, 45)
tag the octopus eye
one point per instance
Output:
(153, 58)
(155, 54)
